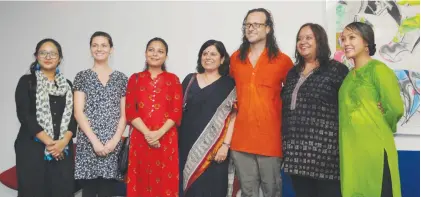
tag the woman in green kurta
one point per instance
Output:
(369, 108)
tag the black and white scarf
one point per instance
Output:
(59, 87)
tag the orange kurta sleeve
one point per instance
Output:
(288, 65)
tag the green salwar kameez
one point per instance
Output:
(365, 132)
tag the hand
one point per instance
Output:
(379, 105)
(60, 157)
(110, 145)
(50, 143)
(56, 148)
(153, 136)
(155, 144)
(222, 153)
(99, 149)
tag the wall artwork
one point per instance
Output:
(396, 26)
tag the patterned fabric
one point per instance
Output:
(102, 108)
(300, 82)
(209, 142)
(153, 171)
(310, 128)
(32, 170)
(210, 177)
(366, 133)
(59, 87)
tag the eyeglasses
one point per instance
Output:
(254, 25)
(44, 54)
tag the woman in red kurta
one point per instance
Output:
(153, 107)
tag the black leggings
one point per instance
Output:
(309, 187)
(100, 186)
(387, 190)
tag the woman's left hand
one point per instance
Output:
(60, 157)
(110, 145)
(154, 136)
(379, 105)
(222, 154)
(57, 148)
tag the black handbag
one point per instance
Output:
(123, 156)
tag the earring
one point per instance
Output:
(37, 67)
(57, 70)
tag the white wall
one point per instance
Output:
(184, 25)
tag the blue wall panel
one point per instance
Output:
(409, 168)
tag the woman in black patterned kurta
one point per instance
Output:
(99, 110)
(310, 116)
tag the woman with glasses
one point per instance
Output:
(44, 106)
(99, 109)
(153, 108)
(205, 139)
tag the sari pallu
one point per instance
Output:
(208, 143)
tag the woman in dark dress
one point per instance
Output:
(44, 105)
(207, 124)
(310, 122)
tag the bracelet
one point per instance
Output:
(226, 144)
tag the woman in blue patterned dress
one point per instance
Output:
(99, 109)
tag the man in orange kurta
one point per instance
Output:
(259, 68)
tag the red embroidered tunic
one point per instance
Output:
(153, 171)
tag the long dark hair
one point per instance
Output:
(163, 67)
(271, 45)
(322, 46)
(366, 33)
(223, 69)
(40, 43)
